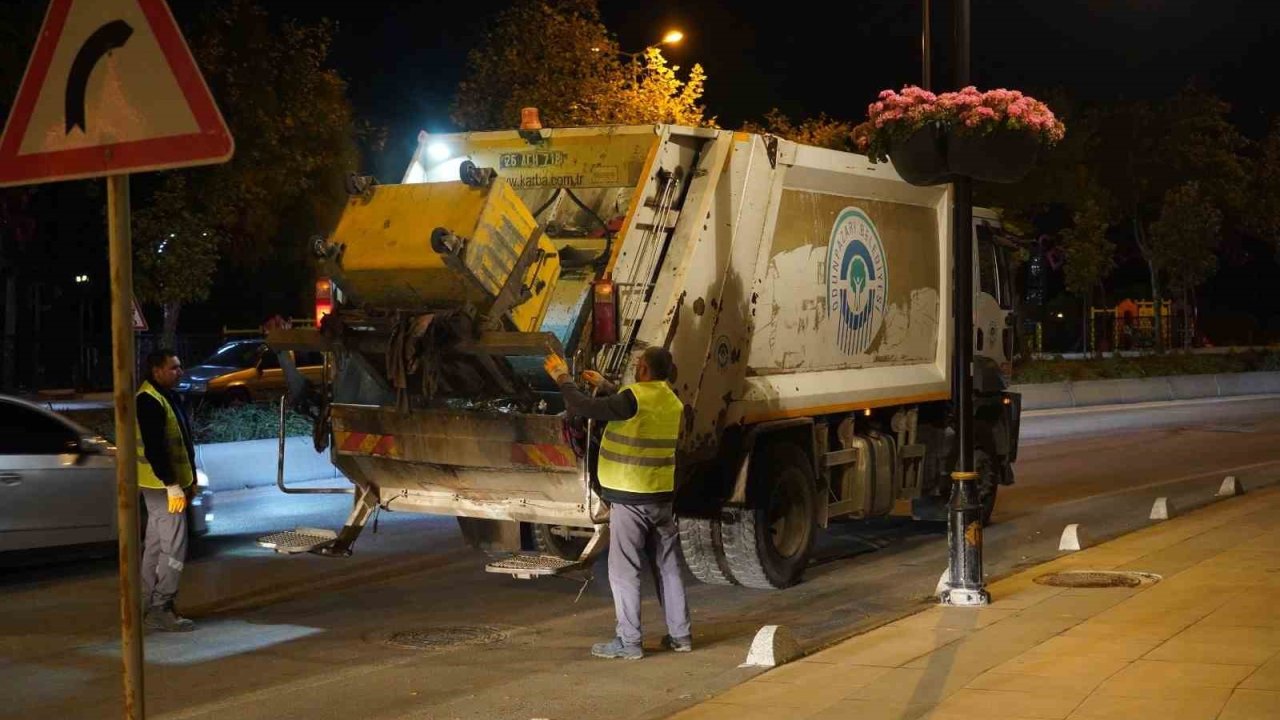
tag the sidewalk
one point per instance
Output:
(1202, 643)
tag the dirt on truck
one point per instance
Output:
(804, 293)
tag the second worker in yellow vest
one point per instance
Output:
(166, 477)
(636, 470)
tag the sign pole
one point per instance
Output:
(121, 258)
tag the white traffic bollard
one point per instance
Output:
(1231, 487)
(772, 646)
(1162, 509)
(1072, 539)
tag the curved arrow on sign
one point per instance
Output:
(109, 37)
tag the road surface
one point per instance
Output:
(412, 627)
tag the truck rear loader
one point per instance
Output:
(804, 293)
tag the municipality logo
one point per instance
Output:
(857, 280)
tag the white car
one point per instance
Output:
(58, 482)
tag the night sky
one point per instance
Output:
(404, 62)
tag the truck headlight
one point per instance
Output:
(202, 480)
(198, 386)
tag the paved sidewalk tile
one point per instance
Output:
(1145, 678)
(998, 704)
(1266, 677)
(1252, 705)
(1204, 705)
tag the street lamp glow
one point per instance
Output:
(438, 151)
(672, 37)
(1060, 316)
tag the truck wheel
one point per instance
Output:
(767, 545)
(698, 546)
(988, 483)
(551, 540)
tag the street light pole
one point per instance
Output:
(926, 49)
(965, 586)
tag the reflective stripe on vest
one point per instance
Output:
(177, 446)
(638, 455)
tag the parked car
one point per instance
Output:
(58, 482)
(244, 371)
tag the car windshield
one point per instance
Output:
(237, 355)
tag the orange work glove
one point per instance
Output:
(592, 378)
(177, 499)
(556, 368)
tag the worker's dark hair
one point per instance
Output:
(661, 366)
(157, 358)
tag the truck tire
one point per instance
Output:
(548, 542)
(701, 554)
(767, 545)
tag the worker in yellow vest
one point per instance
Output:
(636, 471)
(166, 479)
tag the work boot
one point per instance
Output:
(679, 644)
(165, 619)
(617, 649)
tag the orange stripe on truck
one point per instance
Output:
(541, 455)
(358, 443)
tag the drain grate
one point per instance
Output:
(1098, 579)
(445, 637)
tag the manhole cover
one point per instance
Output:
(443, 638)
(1098, 579)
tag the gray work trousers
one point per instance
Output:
(164, 551)
(640, 534)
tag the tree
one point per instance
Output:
(1090, 255)
(821, 131)
(571, 70)
(1183, 244)
(1146, 151)
(650, 92)
(295, 142)
(1264, 190)
(176, 252)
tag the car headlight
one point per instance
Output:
(202, 480)
(197, 386)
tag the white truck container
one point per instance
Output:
(804, 293)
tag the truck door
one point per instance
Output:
(993, 302)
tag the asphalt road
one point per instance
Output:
(412, 627)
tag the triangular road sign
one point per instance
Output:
(139, 320)
(111, 88)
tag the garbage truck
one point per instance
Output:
(804, 293)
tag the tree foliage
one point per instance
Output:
(821, 131)
(1090, 254)
(1263, 217)
(571, 69)
(1184, 239)
(295, 142)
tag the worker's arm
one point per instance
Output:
(612, 407)
(151, 419)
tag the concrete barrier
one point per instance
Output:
(252, 463)
(1192, 387)
(1045, 395)
(1254, 383)
(1048, 396)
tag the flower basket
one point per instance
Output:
(994, 136)
(999, 156)
(921, 158)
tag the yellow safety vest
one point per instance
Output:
(638, 455)
(147, 477)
